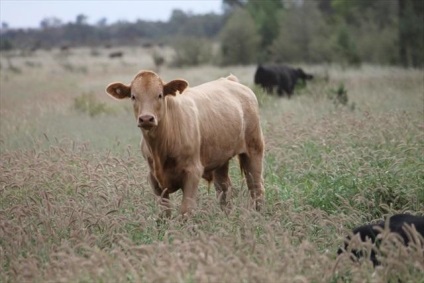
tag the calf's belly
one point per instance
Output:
(216, 156)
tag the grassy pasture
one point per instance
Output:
(75, 205)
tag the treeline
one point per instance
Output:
(388, 32)
(53, 33)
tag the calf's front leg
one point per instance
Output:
(162, 195)
(190, 187)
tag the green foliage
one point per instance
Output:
(12, 67)
(239, 39)
(187, 24)
(303, 36)
(5, 44)
(411, 33)
(191, 51)
(377, 44)
(265, 14)
(385, 31)
(340, 98)
(339, 95)
(354, 32)
(158, 58)
(87, 103)
(68, 65)
(54, 32)
(95, 52)
(264, 99)
(346, 47)
(336, 173)
(347, 9)
(322, 31)
(32, 64)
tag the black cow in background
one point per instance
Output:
(396, 224)
(281, 76)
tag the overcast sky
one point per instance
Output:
(29, 13)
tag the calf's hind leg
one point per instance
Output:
(222, 183)
(251, 164)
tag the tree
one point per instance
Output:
(239, 39)
(178, 19)
(411, 32)
(392, 27)
(5, 44)
(102, 23)
(346, 47)
(266, 16)
(81, 19)
(51, 22)
(191, 51)
(231, 5)
(303, 36)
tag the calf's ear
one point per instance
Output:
(118, 90)
(173, 86)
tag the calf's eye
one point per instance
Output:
(132, 97)
(160, 95)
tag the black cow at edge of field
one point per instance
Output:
(281, 76)
(396, 224)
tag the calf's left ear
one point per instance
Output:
(173, 86)
(118, 90)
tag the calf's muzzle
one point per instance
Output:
(146, 121)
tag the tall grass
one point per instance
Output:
(76, 206)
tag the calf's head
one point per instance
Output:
(147, 92)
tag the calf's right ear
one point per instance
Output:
(118, 90)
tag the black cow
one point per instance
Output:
(396, 224)
(281, 76)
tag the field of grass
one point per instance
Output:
(75, 204)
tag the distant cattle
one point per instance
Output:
(64, 48)
(281, 76)
(396, 224)
(116, 54)
(147, 45)
(190, 133)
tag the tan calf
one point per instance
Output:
(193, 132)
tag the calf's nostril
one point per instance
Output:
(146, 119)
